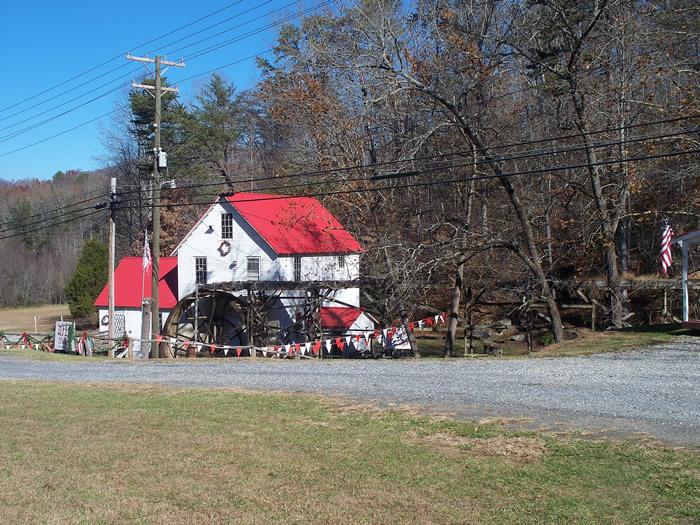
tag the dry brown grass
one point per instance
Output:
(22, 319)
(95, 454)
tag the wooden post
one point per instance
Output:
(130, 351)
(593, 317)
(684, 282)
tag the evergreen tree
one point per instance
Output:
(89, 278)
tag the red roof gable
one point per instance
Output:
(128, 279)
(339, 317)
(294, 225)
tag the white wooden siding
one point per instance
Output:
(205, 239)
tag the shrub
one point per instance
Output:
(89, 278)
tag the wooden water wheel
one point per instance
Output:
(209, 317)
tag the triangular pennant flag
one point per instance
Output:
(437, 318)
(159, 338)
(316, 347)
(286, 348)
(307, 348)
(347, 339)
(297, 348)
(411, 326)
(225, 351)
(420, 324)
(238, 351)
(385, 332)
(340, 343)
(368, 336)
(328, 344)
(429, 321)
(212, 349)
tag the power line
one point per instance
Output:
(521, 155)
(64, 207)
(120, 55)
(464, 152)
(225, 43)
(60, 133)
(79, 106)
(460, 180)
(50, 226)
(210, 27)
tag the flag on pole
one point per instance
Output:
(146, 252)
(666, 237)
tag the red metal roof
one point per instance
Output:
(128, 280)
(339, 317)
(295, 225)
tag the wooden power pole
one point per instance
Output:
(112, 232)
(159, 161)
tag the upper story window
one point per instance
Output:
(297, 268)
(200, 270)
(341, 261)
(226, 226)
(253, 268)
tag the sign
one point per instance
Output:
(64, 337)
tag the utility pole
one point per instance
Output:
(159, 161)
(112, 232)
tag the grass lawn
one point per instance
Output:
(586, 343)
(22, 319)
(96, 454)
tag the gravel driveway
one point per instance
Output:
(655, 391)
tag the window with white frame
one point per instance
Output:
(297, 268)
(341, 261)
(253, 268)
(226, 226)
(200, 270)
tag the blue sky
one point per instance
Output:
(43, 43)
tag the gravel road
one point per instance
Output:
(654, 391)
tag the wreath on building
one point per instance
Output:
(224, 248)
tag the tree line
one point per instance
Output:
(512, 140)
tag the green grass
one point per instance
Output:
(585, 343)
(92, 454)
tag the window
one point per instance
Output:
(200, 270)
(226, 226)
(253, 268)
(341, 261)
(297, 268)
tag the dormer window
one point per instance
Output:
(226, 226)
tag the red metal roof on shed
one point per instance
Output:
(339, 317)
(127, 284)
(295, 225)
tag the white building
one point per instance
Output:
(262, 237)
(248, 237)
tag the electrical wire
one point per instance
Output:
(120, 55)
(465, 152)
(50, 226)
(460, 180)
(225, 43)
(32, 127)
(101, 195)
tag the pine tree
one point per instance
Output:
(89, 278)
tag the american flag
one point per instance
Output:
(665, 256)
(146, 252)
